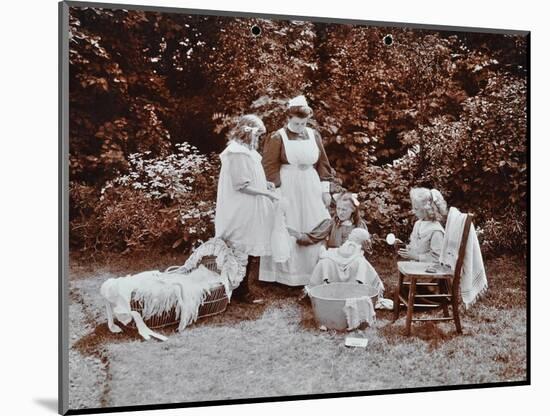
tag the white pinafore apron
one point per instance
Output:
(301, 186)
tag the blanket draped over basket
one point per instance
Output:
(180, 290)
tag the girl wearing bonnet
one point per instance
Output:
(244, 206)
(427, 235)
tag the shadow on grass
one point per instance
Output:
(91, 343)
(434, 334)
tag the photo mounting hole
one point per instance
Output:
(388, 40)
(256, 30)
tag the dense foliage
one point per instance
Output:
(152, 97)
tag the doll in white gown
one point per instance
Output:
(347, 263)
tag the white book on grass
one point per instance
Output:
(356, 342)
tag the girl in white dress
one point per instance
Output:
(295, 161)
(426, 239)
(244, 206)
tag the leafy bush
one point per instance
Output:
(161, 202)
(385, 194)
(130, 220)
(480, 161)
(508, 233)
(259, 74)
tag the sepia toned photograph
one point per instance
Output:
(280, 207)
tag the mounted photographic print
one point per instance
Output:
(260, 207)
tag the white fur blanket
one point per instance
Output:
(159, 292)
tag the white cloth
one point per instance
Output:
(345, 254)
(359, 310)
(299, 101)
(193, 290)
(335, 267)
(383, 303)
(159, 292)
(244, 221)
(301, 186)
(282, 243)
(117, 294)
(473, 280)
(230, 261)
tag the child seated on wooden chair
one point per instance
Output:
(426, 238)
(341, 229)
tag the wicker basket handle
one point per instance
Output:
(176, 269)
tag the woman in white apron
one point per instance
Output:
(295, 161)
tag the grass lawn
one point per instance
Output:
(276, 349)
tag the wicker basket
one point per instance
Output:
(215, 303)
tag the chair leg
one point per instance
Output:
(396, 304)
(410, 306)
(456, 316)
(396, 301)
(443, 288)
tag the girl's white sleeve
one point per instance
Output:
(239, 170)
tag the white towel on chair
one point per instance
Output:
(473, 280)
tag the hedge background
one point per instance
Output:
(152, 97)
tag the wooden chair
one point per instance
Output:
(413, 274)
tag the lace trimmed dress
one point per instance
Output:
(244, 221)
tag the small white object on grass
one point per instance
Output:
(390, 239)
(356, 342)
(383, 303)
